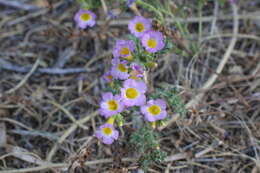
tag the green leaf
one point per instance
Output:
(146, 142)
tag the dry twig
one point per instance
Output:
(18, 4)
(52, 71)
(22, 82)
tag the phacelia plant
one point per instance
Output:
(128, 93)
(128, 70)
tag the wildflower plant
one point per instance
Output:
(128, 86)
(128, 92)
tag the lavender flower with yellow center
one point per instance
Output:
(85, 18)
(110, 105)
(153, 41)
(133, 92)
(107, 133)
(139, 25)
(108, 76)
(137, 71)
(154, 110)
(124, 48)
(119, 69)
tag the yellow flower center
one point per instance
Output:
(112, 105)
(110, 77)
(107, 131)
(139, 27)
(131, 93)
(154, 110)
(124, 51)
(85, 17)
(152, 43)
(121, 68)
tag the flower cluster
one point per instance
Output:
(129, 73)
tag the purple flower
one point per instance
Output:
(132, 92)
(137, 71)
(139, 25)
(107, 133)
(154, 110)
(108, 76)
(153, 41)
(110, 105)
(85, 18)
(124, 48)
(119, 69)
